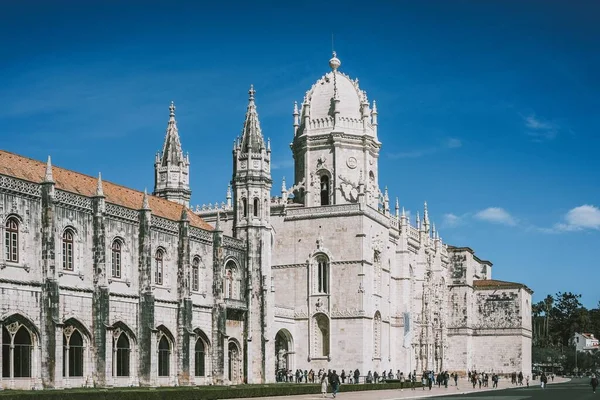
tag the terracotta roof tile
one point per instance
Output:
(496, 284)
(34, 171)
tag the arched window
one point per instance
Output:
(121, 354)
(199, 359)
(255, 206)
(244, 207)
(116, 258)
(324, 190)
(377, 335)
(67, 250)
(158, 266)
(322, 274)
(321, 332)
(12, 240)
(72, 352)
(164, 356)
(16, 351)
(231, 281)
(196, 274)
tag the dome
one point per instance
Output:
(322, 92)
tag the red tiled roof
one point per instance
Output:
(496, 284)
(34, 171)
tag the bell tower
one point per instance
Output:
(335, 144)
(171, 167)
(251, 185)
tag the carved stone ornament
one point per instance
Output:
(351, 162)
(13, 328)
(348, 189)
(68, 331)
(117, 333)
(319, 304)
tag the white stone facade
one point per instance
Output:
(102, 285)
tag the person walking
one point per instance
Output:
(324, 384)
(543, 380)
(594, 382)
(335, 383)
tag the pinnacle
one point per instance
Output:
(252, 139)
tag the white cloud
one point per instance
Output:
(450, 220)
(453, 143)
(496, 215)
(540, 129)
(580, 218)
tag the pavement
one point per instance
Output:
(505, 391)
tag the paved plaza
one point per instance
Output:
(560, 389)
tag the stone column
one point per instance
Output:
(146, 339)
(100, 296)
(184, 309)
(219, 311)
(49, 310)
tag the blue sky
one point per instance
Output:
(488, 110)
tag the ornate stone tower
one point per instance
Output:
(251, 186)
(335, 143)
(172, 168)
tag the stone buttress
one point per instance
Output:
(184, 300)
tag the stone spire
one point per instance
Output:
(228, 196)
(48, 178)
(99, 190)
(397, 208)
(172, 153)
(418, 221)
(171, 167)
(425, 217)
(252, 139)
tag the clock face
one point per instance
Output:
(351, 162)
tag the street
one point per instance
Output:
(574, 390)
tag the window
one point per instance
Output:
(121, 353)
(231, 281)
(158, 277)
(322, 275)
(67, 250)
(196, 274)
(164, 355)
(72, 352)
(324, 190)
(12, 240)
(16, 352)
(255, 207)
(116, 258)
(244, 207)
(200, 357)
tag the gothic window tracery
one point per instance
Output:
(200, 357)
(196, 274)
(67, 249)
(121, 354)
(377, 271)
(255, 206)
(116, 258)
(164, 356)
(12, 240)
(17, 347)
(73, 350)
(159, 266)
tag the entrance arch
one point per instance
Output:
(284, 352)
(234, 354)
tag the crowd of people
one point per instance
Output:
(427, 378)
